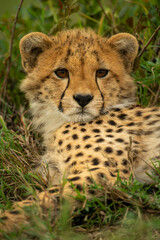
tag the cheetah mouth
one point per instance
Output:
(81, 116)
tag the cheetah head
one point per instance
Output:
(77, 75)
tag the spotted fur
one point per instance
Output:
(91, 126)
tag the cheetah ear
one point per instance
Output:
(31, 46)
(127, 47)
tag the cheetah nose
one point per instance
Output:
(82, 99)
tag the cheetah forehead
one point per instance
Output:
(76, 36)
(79, 42)
(79, 47)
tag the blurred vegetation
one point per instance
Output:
(20, 147)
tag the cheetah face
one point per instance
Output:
(77, 73)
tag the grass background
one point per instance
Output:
(132, 210)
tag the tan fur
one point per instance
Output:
(82, 53)
(95, 142)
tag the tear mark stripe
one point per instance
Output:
(60, 107)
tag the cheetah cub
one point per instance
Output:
(83, 102)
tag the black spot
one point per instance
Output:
(65, 132)
(82, 124)
(147, 132)
(97, 149)
(113, 175)
(154, 109)
(79, 154)
(50, 92)
(77, 146)
(67, 55)
(116, 109)
(88, 146)
(132, 107)
(135, 151)
(109, 130)
(101, 175)
(15, 212)
(75, 128)
(122, 116)
(60, 142)
(120, 126)
(147, 117)
(96, 130)
(110, 136)
(136, 142)
(138, 113)
(119, 140)
(111, 122)
(83, 130)
(67, 160)
(106, 164)
(108, 150)
(90, 122)
(135, 132)
(100, 140)
(124, 162)
(96, 55)
(130, 124)
(119, 152)
(73, 163)
(74, 178)
(95, 161)
(76, 172)
(43, 80)
(53, 190)
(67, 126)
(4, 218)
(116, 164)
(93, 169)
(89, 179)
(98, 135)
(125, 171)
(91, 191)
(86, 137)
(79, 187)
(126, 148)
(99, 122)
(75, 136)
(35, 87)
(152, 122)
(112, 114)
(68, 147)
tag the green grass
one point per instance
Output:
(130, 210)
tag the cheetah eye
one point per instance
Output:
(100, 73)
(62, 73)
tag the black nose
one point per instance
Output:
(82, 99)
